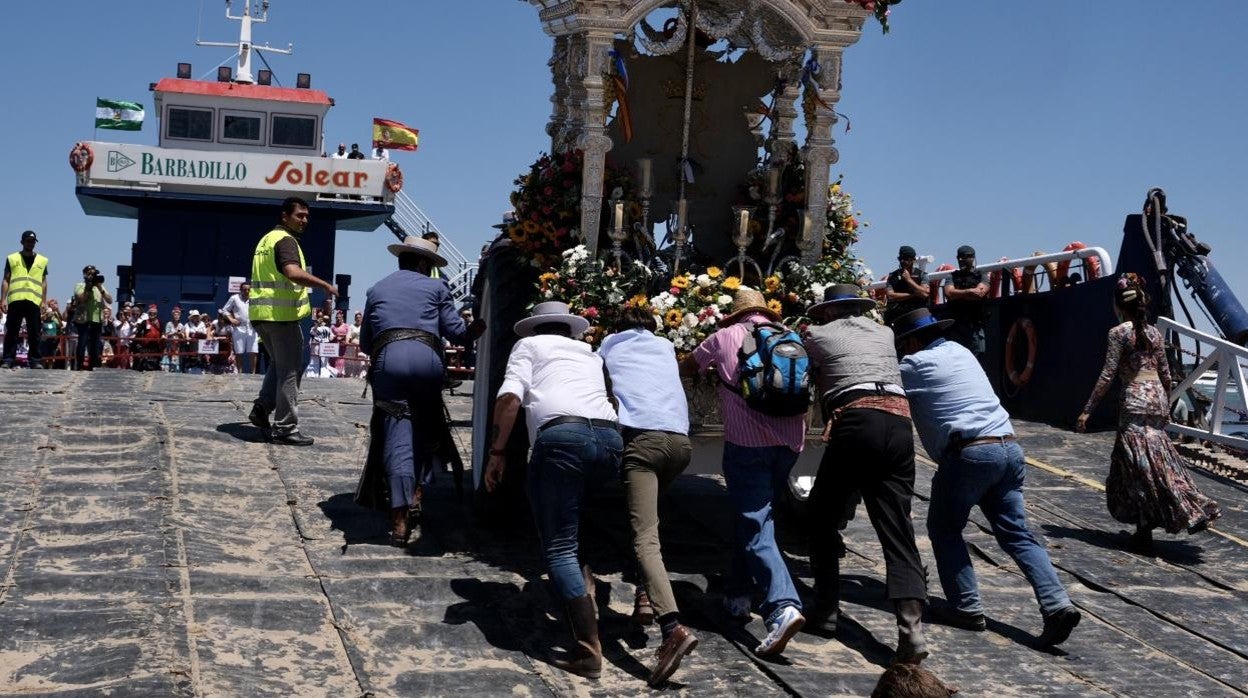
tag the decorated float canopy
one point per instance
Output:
(693, 92)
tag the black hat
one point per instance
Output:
(918, 321)
(966, 251)
(842, 296)
(29, 235)
(906, 252)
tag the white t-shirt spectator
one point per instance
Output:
(240, 309)
(177, 330)
(197, 330)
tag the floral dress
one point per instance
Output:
(1148, 483)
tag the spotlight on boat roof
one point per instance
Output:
(184, 71)
(224, 74)
(264, 77)
(303, 81)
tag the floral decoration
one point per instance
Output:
(547, 200)
(594, 289)
(880, 8)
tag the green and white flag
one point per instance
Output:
(117, 114)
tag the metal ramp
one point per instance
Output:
(408, 219)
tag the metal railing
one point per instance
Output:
(408, 219)
(1225, 359)
(1107, 264)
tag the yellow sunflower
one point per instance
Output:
(713, 272)
(774, 306)
(517, 234)
(673, 318)
(731, 283)
(638, 301)
(530, 226)
(681, 281)
(771, 283)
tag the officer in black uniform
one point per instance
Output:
(965, 293)
(907, 286)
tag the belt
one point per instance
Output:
(854, 392)
(569, 419)
(1003, 440)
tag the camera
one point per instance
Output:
(97, 278)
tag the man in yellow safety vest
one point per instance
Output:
(279, 301)
(21, 297)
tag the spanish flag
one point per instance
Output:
(392, 135)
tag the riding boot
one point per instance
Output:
(911, 647)
(585, 659)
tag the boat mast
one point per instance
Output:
(245, 48)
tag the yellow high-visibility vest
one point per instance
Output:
(274, 298)
(26, 284)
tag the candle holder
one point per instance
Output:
(645, 190)
(773, 196)
(617, 233)
(742, 240)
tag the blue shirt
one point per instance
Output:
(950, 397)
(409, 299)
(646, 381)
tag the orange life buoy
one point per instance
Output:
(1013, 276)
(81, 156)
(933, 288)
(1091, 265)
(394, 178)
(1020, 378)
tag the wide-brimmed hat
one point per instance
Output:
(915, 321)
(509, 217)
(552, 311)
(746, 301)
(842, 296)
(414, 245)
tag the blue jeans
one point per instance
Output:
(991, 476)
(568, 459)
(753, 476)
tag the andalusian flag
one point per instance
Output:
(392, 135)
(117, 114)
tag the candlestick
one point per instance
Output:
(644, 176)
(619, 219)
(773, 181)
(744, 223)
(682, 214)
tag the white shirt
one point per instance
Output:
(241, 311)
(339, 156)
(193, 328)
(381, 154)
(556, 377)
(646, 381)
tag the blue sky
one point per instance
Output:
(1011, 126)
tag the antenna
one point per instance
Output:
(244, 45)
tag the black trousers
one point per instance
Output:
(88, 345)
(18, 311)
(870, 455)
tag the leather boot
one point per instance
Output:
(398, 527)
(585, 659)
(643, 612)
(911, 647)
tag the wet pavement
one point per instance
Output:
(152, 544)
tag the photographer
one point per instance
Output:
(90, 299)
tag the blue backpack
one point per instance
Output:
(773, 373)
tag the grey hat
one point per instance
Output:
(552, 311)
(842, 296)
(414, 245)
(509, 218)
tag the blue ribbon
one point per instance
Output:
(619, 66)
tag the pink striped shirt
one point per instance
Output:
(743, 425)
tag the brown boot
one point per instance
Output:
(674, 648)
(585, 659)
(643, 612)
(398, 527)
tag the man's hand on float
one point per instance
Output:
(494, 471)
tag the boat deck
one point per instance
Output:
(150, 543)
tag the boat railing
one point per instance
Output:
(1106, 264)
(1226, 361)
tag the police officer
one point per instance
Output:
(907, 286)
(21, 296)
(279, 300)
(965, 291)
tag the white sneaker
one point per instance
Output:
(737, 607)
(780, 631)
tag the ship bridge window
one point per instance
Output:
(189, 124)
(294, 131)
(245, 126)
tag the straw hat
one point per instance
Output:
(552, 311)
(414, 245)
(746, 301)
(842, 296)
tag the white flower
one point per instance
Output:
(817, 289)
(724, 299)
(691, 320)
(703, 280)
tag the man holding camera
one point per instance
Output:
(21, 297)
(90, 299)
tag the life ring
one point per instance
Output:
(394, 178)
(81, 156)
(1020, 378)
(997, 280)
(933, 287)
(1091, 265)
